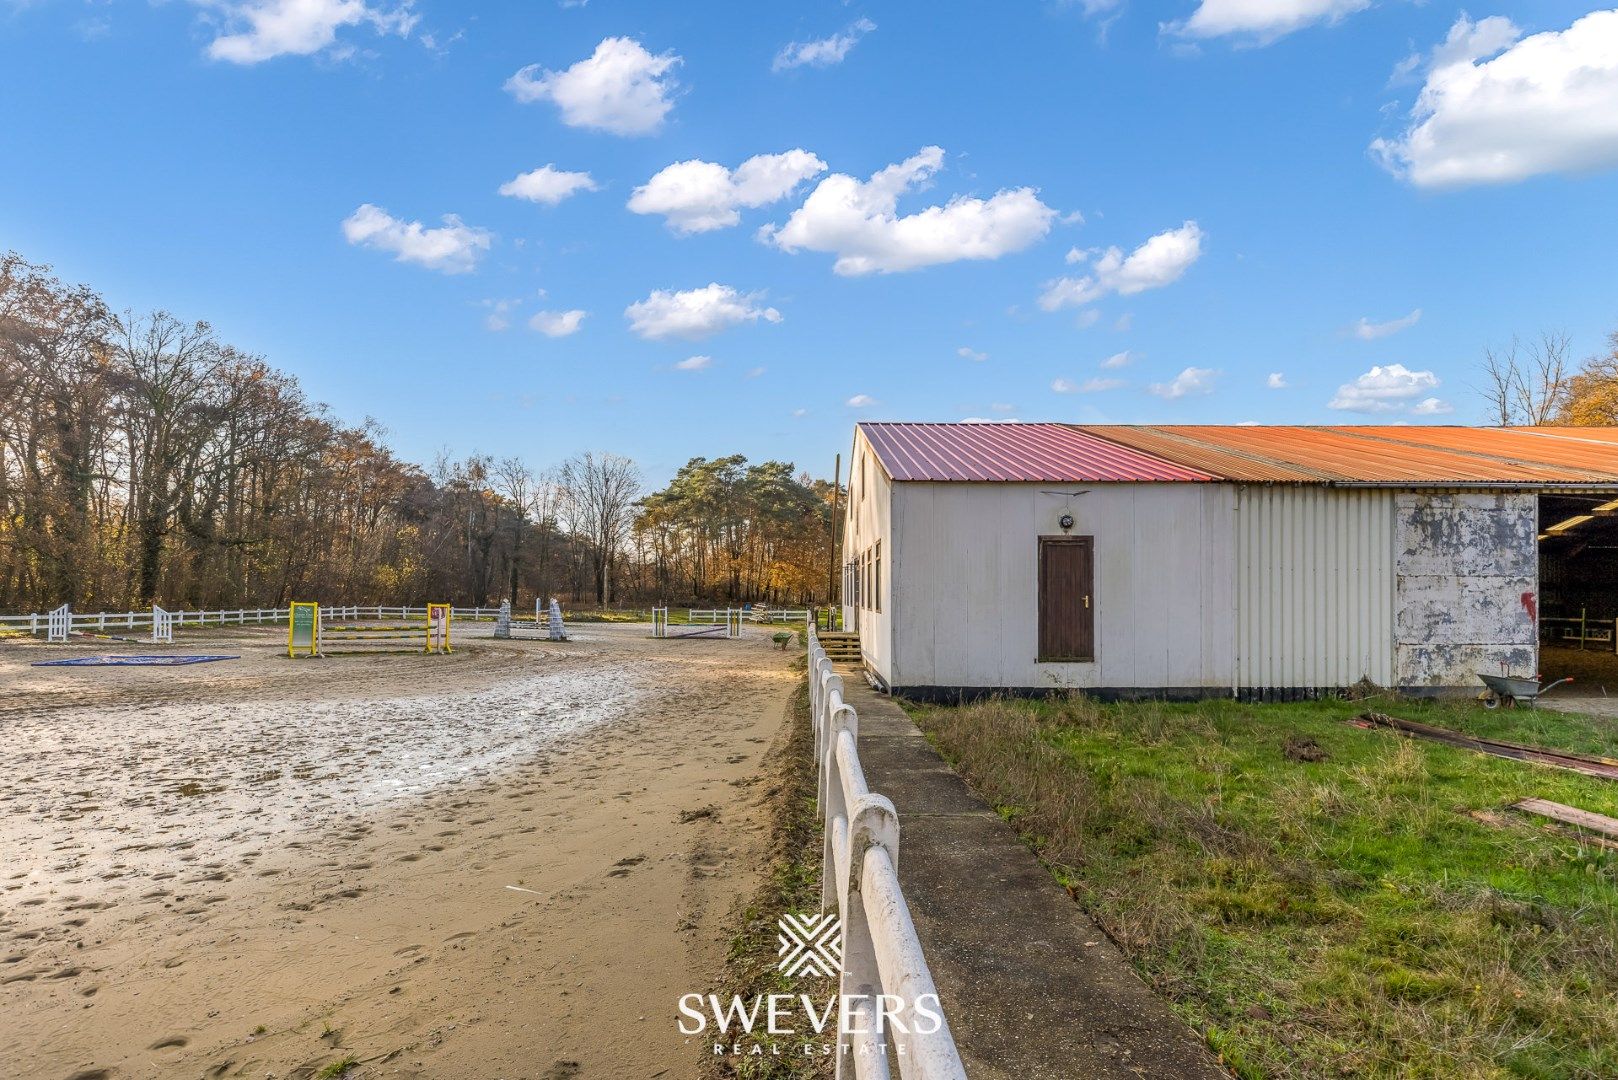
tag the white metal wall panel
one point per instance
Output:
(1315, 587)
(966, 595)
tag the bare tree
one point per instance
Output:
(602, 489)
(516, 485)
(172, 406)
(1527, 385)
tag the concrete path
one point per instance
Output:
(1032, 987)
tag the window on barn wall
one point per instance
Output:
(876, 577)
(1066, 611)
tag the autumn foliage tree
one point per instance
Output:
(1537, 384)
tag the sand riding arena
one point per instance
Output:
(505, 861)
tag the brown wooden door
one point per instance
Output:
(1067, 627)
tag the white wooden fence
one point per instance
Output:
(881, 953)
(755, 614)
(60, 623)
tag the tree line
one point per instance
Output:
(143, 459)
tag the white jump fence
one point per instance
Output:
(162, 626)
(882, 957)
(728, 624)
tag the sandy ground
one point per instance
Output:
(509, 862)
(1594, 689)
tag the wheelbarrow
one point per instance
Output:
(1509, 689)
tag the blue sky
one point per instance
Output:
(1113, 210)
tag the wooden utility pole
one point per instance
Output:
(836, 490)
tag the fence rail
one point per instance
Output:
(881, 953)
(60, 622)
(757, 614)
(1582, 631)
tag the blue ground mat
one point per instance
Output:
(171, 660)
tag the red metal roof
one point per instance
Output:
(1388, 454)
(1381, 454)
(1049, 453)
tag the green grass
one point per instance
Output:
(341, 1067)
(1345, 917)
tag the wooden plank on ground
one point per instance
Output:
(1604, 768)
(1570, 815)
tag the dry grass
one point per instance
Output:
(793, 885)
(1345, 916)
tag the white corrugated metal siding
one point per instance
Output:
(1315, 587)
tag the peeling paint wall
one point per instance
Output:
(1465, 565)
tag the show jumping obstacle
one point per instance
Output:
(730, 627)
(308, 634)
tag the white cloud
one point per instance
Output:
(547, 185)
(1160, 261)
(558, 323)
(1075, 255)
(1193, 380)
(1276, 381)
(271, 28)
(822, 53)
(499, 316)
(698, 196)
(620, 88)
(1088, 386)
(1261, 21)
(753, 373)
(454, 247)
(860, 401)
(695, 313)
(800, 412)
(1546, 104)
(1431, 407)
(1390, 388)
(966, 353)
(1366, 330)
(858, 221)
(694, 363)
(1118, 360)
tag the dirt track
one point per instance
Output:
(508, 862)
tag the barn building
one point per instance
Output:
(1215, 561)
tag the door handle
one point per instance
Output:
(1087, 601)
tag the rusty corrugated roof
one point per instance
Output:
(1049, 453)
(1381, 454)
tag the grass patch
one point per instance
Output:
(341, 1067)
(1316, 898)
(792, 885)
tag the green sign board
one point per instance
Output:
(303, 634)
